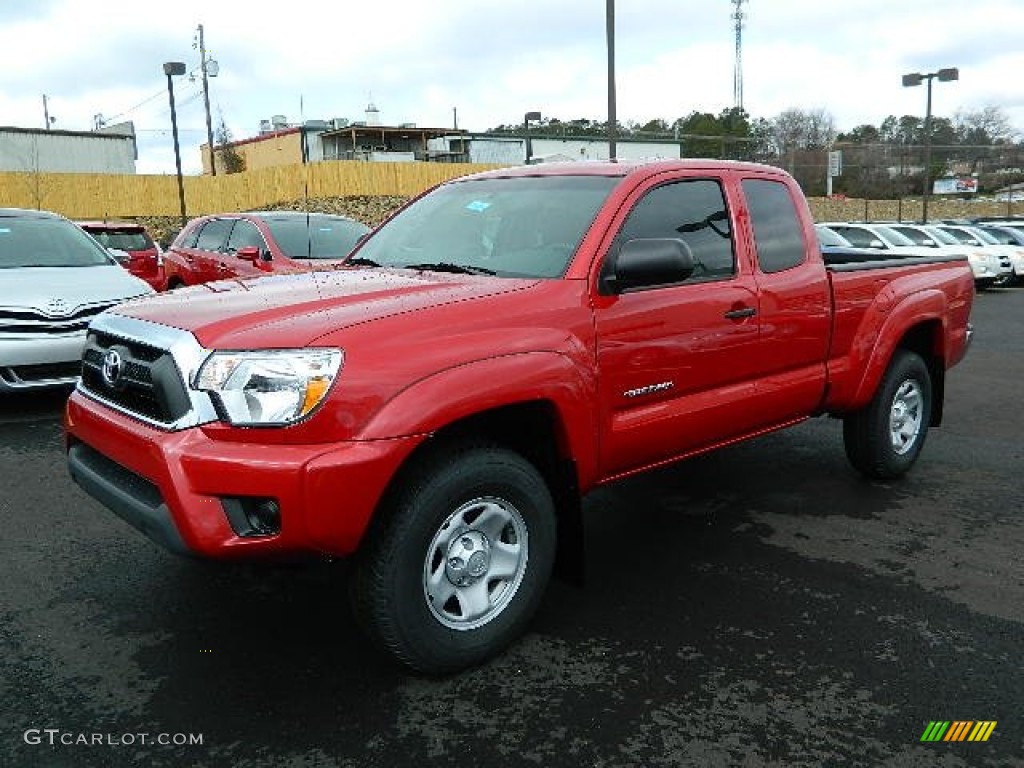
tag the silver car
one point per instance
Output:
(54, 278)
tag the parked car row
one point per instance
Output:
(54, 279)
(995, 254)
(240, 245)
(56, 275)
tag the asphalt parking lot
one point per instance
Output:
(759, 606)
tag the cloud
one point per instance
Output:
(491, 61)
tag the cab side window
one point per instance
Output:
(777, 233)
(214, 235)
(693, 211)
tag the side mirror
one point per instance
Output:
(248, 253)
(877, 244)
(650, 261)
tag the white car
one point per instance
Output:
(1012, 236)
(879, 237)
(973, 236)
(54, 278)
(984, 264)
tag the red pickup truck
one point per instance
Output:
(505, 343)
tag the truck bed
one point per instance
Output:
(872, 296)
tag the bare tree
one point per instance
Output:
(989, 125)
(820, 129)
(798, 129)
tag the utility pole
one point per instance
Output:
(206, 101)
(46, 113)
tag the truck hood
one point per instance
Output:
(295, 310)
(62, 291)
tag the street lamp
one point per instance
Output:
(909, 81)
(526, 131)
(172, 68)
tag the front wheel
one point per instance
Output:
(884, 439)
(457, 563)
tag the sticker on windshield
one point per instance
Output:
(478, 206)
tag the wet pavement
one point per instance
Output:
(759, 606)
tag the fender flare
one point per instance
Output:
(453, 394)
(892, 326)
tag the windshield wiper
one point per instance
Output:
(360, 261)
(447, 266)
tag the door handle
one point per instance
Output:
(739, 314)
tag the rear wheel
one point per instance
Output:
(884, 439)
(458, 561)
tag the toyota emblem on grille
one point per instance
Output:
(56, 307)
(113, 366)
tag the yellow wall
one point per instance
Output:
(88, 196)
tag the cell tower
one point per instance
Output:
(737, 77)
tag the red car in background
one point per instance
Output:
(233, 245)
(145, 258)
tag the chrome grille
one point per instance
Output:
(34, 322)
(147, 381)
(157, 362)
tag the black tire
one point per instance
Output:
(430, 584)
(884, 439)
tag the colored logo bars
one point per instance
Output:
(958, 730)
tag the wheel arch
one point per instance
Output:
(926, 340)
(534, 429)
(925, 333)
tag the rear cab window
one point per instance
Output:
(778, 235)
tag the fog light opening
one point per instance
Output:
(252, 515)
(265, 517)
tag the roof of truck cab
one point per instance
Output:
(621, 168)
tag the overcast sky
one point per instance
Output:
(492, 61)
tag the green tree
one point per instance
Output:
(225, 149)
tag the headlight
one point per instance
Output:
(269, 387)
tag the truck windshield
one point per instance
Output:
(518, 227)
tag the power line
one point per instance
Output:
(137, 106)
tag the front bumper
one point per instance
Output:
(178, 487)
(34, 361)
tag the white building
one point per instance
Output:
(497, 149)
(36, 150)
